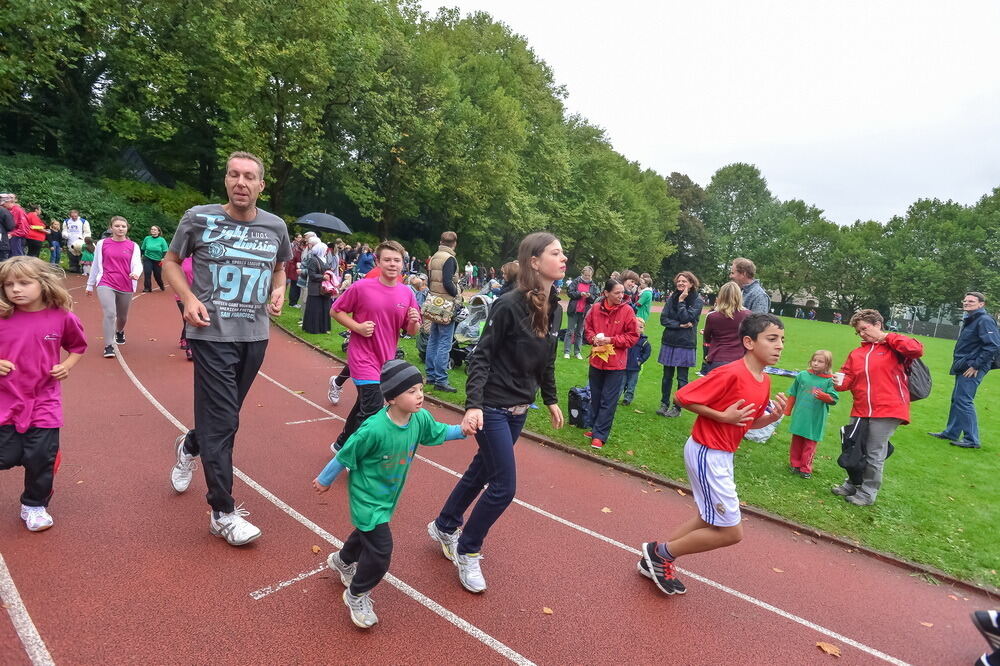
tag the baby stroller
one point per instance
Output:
(469, 329)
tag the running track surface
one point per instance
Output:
(130, 574)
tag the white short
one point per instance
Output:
(710, 472)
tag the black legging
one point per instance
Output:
(668, 379)
(34, 247)
(151, 268)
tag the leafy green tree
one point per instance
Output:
(740, 214)
(691, 238)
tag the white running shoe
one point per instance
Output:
(469, 573)
(566, 355)
(334, 393)
(448, 541)
(362, 609)
(579, 356)
(36, 518)
(183, 469)
(345, 570)
(233, 527)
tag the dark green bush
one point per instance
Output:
(173, 202)
(58, 189)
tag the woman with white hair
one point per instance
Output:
(316, 317)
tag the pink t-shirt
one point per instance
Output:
(388, 307)
(29, 396)
(117, 264)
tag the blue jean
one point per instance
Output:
(631, 379)
(962, 417)
(605, 387)
(493, 466)
(56, 253)
(438, 349)
(574, 332)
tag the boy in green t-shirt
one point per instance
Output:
(378, 456)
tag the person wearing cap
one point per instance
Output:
(374, 485)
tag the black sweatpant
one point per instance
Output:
(372, 551)
(368, 404)
(223, 375)
(37, 450)
(152, 269)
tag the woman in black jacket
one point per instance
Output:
(316, 316)
(680, 325)
(514, 358)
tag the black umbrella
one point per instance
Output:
(324, 221)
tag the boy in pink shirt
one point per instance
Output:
(375, 311)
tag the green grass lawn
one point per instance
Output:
(934, 506)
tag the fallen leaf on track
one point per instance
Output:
(658, 490)
(605, 510)
(952, 596)
(927, 624)
(829, 648)
(681, 492)
(152, 339)
(316, 549)
(79, 482)
(743, 503)
(630, 453)
(644, 490)
(298, 392)
(546, 610)
(171, 355)
(777, 570)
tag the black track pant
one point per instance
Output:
(37, 450)
(223, 374)
(372, 551)
(368, 404)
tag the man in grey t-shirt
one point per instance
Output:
(755, 298)
(238, 254)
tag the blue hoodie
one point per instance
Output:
(977, 343)
(638, 353)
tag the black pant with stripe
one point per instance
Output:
(37, 450)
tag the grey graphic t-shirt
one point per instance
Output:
(232, 266)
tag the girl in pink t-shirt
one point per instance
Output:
(117, 266)
(35, 325)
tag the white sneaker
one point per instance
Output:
(345, 570)
(448, 541)
(233, 527)
(362, 609)
(469, 573)
(183, 469)
(566, 355)
(334, 393)
(579, 356)
(36, 518)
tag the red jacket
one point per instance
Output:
(36, 228)
(619, 324)
(875, 376)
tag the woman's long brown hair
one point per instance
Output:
(530, 284)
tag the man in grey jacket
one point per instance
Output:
(755, 298)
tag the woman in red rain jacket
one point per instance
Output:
(611, 328)
(875, 374)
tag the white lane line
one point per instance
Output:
(324, 418)
(300, 397)
(257, 595)
(409, 591)
(707, 581)
(32, 641)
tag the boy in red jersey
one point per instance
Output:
(728, 401)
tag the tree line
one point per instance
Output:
(405, 124)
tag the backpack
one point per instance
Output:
(579, 406)
(853, 450)
(331, 284)
(919, 376)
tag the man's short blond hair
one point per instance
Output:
(242, 155)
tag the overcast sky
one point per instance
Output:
(856, 107)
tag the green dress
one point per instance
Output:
(809, 412)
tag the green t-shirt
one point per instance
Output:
(645, 301)
(809, 412)
(155, 248)
(378, 456)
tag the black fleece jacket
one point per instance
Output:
(511, 362)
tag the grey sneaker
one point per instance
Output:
(673, 412)
(362, 609)
(183, 469)
(448, 541)
(845, 489)
(662, 411)
(469, 573)
(233, 527)
(345, 570)
(858, 500)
